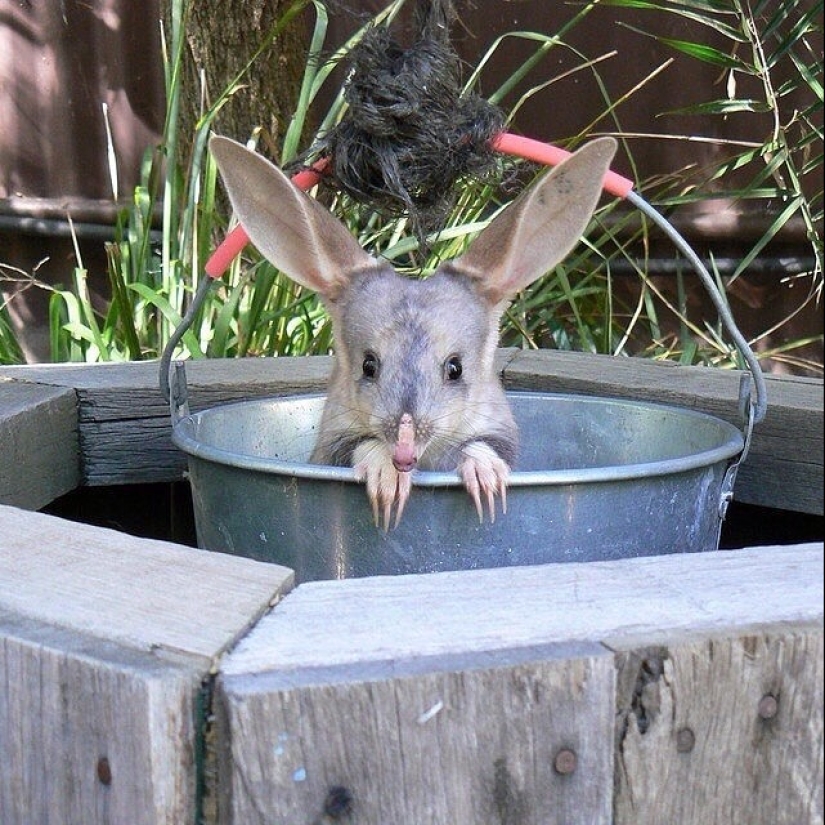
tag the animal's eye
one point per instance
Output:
(370, 365)
(453, 368)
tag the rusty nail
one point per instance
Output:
(104, 771)
(565, 762)
(685, 740)
(768, 706)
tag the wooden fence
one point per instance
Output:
(145, 682)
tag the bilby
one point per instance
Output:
(414, 384)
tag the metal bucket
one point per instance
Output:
(600, 478)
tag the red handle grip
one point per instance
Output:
(546, 153)
(506, 143)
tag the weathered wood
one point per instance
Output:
(124, 423)
(105, 640)
(152, 595)
(390, 618)
(39, 458)
(328, 688)
(785, 466)
(92, 732)
(721, 730)
(477, 743)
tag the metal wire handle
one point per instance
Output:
(754, 408)
(760, 405)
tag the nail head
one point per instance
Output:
(565, 762)
(685, 740)
(338, 803)
(104, 771)
(768, 707)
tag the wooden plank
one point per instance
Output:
(124, 424)
(38, 443)
(333, 677)
(390, 618)
(721, 730)
(105, 643)
(92, 732)
(150, 595)
(477, 743)
(785, 466)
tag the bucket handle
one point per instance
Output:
(752, 409)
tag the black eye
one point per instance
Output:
(453, 368)
(370, 365)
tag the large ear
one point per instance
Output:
(293, 231)
(536, 231)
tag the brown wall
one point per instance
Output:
(61, 63)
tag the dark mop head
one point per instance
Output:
(409, 137)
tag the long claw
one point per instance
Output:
(387, 488)
(491, 503)
(470, 478)
(485, 475)
(402, 494)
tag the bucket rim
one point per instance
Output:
(731, 446)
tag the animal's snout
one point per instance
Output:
(404, 456)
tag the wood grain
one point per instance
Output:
(724, 730)
(353, 623)
(105, 643)
(149, 595)
(70, 701)
(327, 690)
(476, 744)
(39, 457)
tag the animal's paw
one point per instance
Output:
(387, 488)
(485, 475)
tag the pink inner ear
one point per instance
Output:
(233, 244)
(538, 230)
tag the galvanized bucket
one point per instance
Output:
(601, 479)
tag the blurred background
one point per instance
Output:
(83, 97)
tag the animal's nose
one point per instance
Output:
(403, 455)
(404, 458)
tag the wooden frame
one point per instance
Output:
(666, 689)
(122, 422)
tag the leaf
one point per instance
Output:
(802, 27)
(162, 303)
(698, 51)
(791, 209)
(722, 107)
(705, 14)
(120, 298)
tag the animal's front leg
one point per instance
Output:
(485, 475)
(386, 486)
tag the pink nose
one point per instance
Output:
(404, 458)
